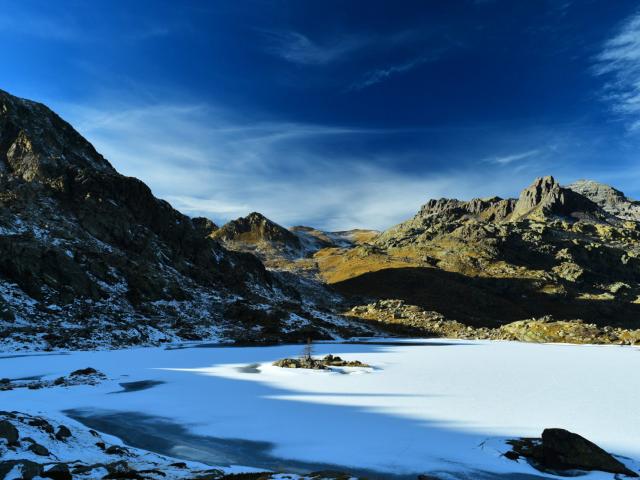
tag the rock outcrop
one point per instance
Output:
(325, 363)
(399, 318)
(545, 197)
(562, 451)
(608, 198)
(256, 232)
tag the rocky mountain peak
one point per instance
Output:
(597, 191)
(204, 226)
(611, 200)
(36, 144)
(545, 196)
(440, 206)
(256, 228)
(492, 208)
(541, 194)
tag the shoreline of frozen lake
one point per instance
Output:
(427, 406)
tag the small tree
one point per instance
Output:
(307, 353)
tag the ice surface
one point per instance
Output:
(426, 406)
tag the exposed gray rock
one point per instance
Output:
(545, 196)
(608, 198)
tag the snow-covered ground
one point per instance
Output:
(425, 406)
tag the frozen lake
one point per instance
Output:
(425, 406)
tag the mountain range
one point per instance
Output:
(89, 257)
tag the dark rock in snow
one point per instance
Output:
(564, 450)
(63, 433)
(59, 471)
(38, 449)
(116, 450)
(9, 432)
(560, 450)
(84, 371)
(42, 424)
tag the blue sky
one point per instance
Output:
(337, 114)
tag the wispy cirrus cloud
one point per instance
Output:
(516, 157)
(207, 161)
(297, 48)
(619, 63)
(379, 75)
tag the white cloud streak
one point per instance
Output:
(619, 62)
(508, 159)
(297, 48)
(381, 74)
(207, 162)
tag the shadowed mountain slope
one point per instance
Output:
(90, 257)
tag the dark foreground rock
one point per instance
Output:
(8, 432)
(561, 451)
(27, 443)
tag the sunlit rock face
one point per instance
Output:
(571, 252)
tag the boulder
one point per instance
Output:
(563, 450)
(38, 449)
(59, 471)
(9, 432)
(42, 424)
(116, 450)
(560, 450)
(63, 433)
